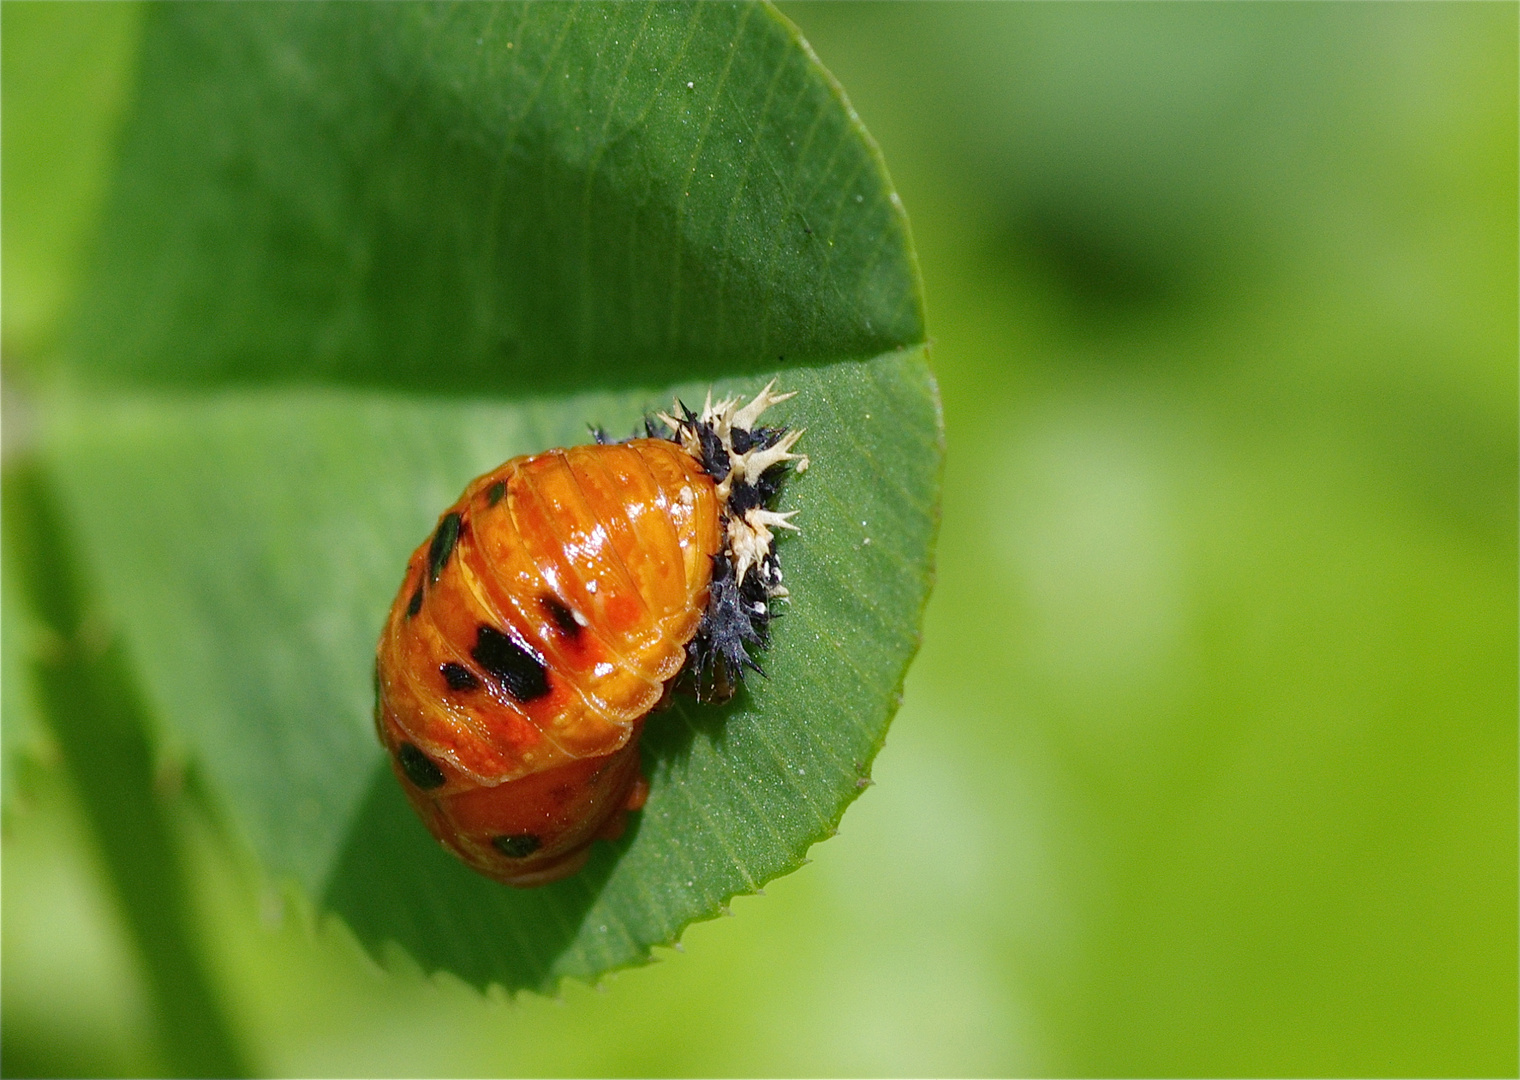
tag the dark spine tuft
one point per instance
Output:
(714, 457)
(737, 620)
(719, 655)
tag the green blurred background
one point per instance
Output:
(1208, 764)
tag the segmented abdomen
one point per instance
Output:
(541, 620)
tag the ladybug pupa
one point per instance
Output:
(558, 603)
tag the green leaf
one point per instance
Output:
(23, 638)
(439, 198)
(78, 680)
(358, 254)
(62, 80)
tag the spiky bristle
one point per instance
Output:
(748, 464)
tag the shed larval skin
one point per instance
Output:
(533, 633)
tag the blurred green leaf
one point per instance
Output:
(358, 254)
(64, 76)
(81, 683)
(1230, 790)
(23, 730)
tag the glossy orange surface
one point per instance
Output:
(533, 632)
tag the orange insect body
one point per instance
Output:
(539, 625)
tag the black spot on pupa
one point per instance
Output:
(443, 545)
(458, 677)
(414, 605)
(419, 768)
(497, 492)
(563, 617)
(520, 672)
(516, 847)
